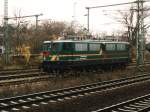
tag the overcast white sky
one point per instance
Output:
(63, 10)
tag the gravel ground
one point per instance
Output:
(58, 83)
(96, 101)
(81, 104)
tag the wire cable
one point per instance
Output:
(111, 5)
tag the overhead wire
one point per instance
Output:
(116, 4)
(110, 5)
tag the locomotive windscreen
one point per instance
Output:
(55, 46)
(46, 46)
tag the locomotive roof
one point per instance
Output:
(86, 41)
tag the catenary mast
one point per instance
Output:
(140, 40)
(6, 37)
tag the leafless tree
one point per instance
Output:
(20, 30)
(128, 19)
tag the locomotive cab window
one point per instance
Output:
(55, 46)
(46, 47)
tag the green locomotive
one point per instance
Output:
(84, 54)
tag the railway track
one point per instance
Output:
(21, 76)
(17, 76)
(133, 64)
(16, 71)
(29, 100)
(140, 104)
(24, 80)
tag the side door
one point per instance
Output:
(110, 52)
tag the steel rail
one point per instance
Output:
(61, 94)
(24, 80)
(22, 76)
(134, 63)
(17, 76)
(15, 71)
(139, 104)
